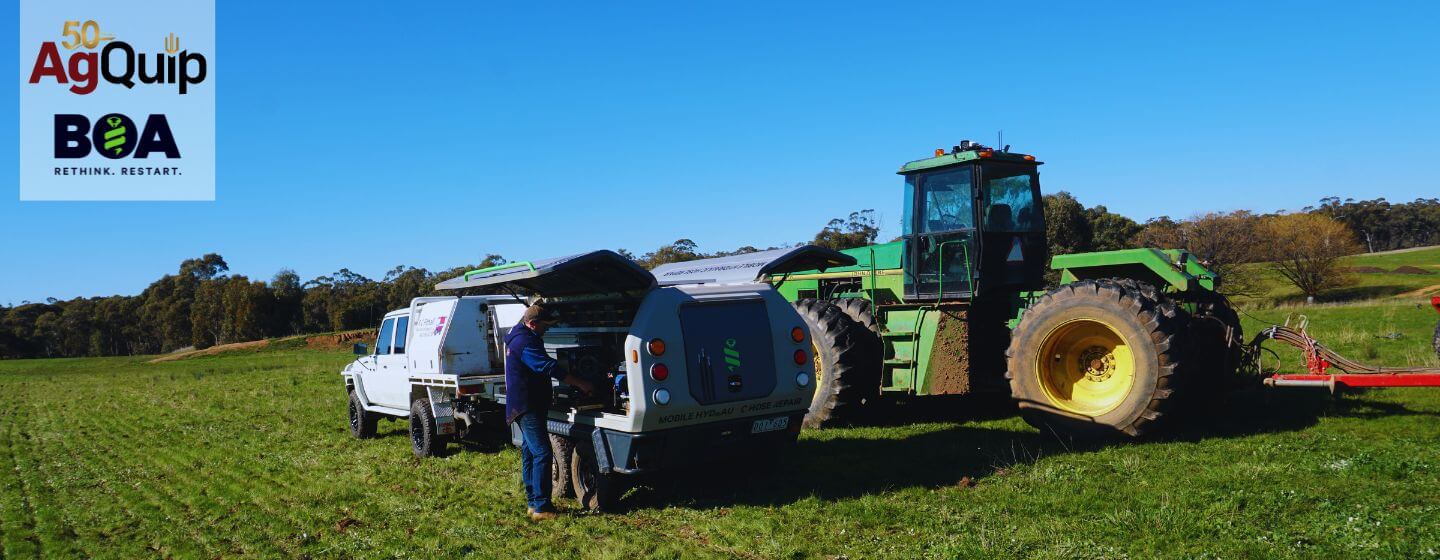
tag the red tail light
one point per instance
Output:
(659, 372)
(801, 357)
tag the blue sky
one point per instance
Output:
(371, 134)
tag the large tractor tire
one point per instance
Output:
(1217, 346)
(1096, 358)
(859, 310)
(847, 363)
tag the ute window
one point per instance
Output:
(947, 202)
(402, 328)
(382, 343)
(1011, 200)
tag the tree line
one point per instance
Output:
(1301, 247)
(201, 305)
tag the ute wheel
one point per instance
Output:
(425, 437)
(362, 422)
(847, 363)
(596, 491)
(560, 447)
(1095, 358)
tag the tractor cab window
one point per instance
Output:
(1010, 199)
(947, 203)
(939, 233)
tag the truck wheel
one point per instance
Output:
(362, 422)
(847, 363)
(425, 437)
(561, 448)
(596, 491)
(1095, 358)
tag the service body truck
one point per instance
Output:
(693, 362)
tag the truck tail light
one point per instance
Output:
(797, 334)
(656, 347)
(659, 372)
(801, 357)
(662, 396)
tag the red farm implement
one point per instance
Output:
(1320, 360)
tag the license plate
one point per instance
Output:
(770, 424)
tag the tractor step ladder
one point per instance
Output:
(900, 342)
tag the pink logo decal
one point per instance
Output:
(441, 326)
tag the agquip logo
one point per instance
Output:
(119, 102)
(117, 62)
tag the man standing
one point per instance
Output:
(528, 370)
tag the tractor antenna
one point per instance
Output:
(1000, 140)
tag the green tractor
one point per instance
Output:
(958, 305)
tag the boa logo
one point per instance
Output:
(113, 136)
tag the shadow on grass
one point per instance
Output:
(842, 466)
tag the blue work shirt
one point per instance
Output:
(528, 370)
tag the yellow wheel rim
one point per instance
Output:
(1085, 366)
(819, 365)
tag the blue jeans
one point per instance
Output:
(535, 458)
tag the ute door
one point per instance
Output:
(940, 253)
(393, 378)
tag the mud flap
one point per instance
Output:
(443, 408)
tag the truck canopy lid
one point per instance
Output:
(750, 267)
(586, 273)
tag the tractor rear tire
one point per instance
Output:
(1096, 358)
(847, 363)
(858, 309)
(425, 437)
(1217, 346)
(362, 422)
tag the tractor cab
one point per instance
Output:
(973, 221)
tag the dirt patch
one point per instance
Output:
(213, 350)
(1427, 290)
(1412, 270)
(950, 355)
(335, 341)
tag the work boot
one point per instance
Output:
(542, 515)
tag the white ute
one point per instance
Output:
(706, 362)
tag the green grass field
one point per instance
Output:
(248, 454)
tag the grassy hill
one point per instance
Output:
(248, 454)
(1374, 274)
